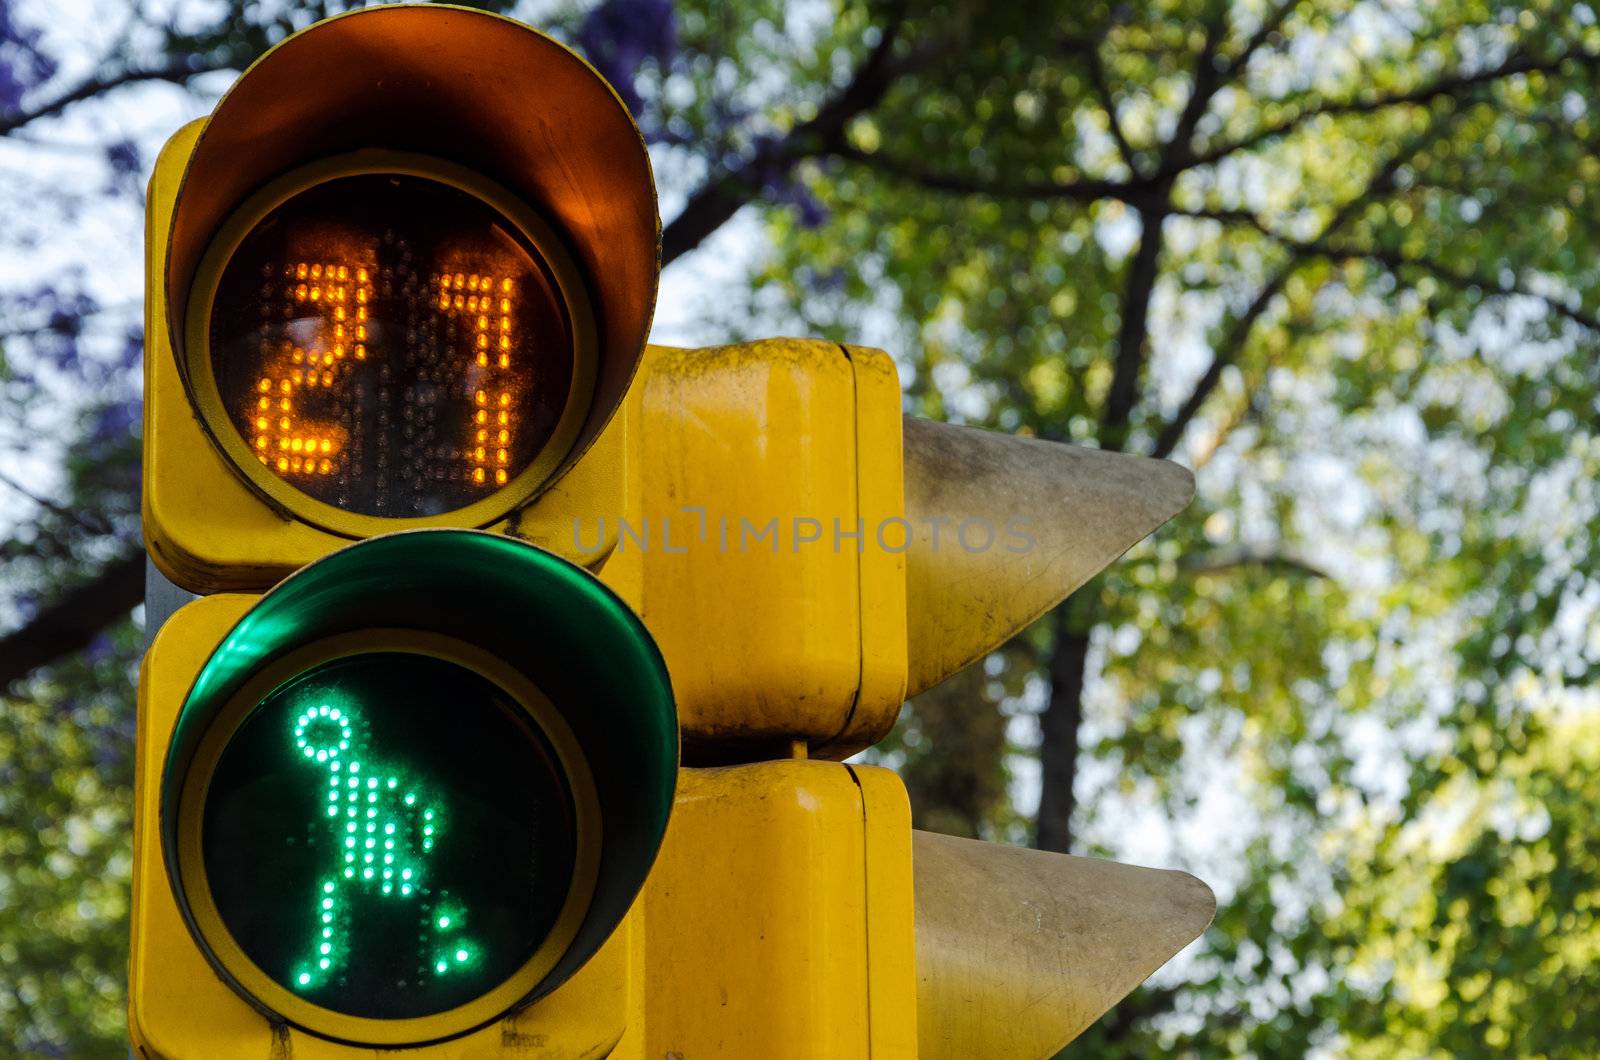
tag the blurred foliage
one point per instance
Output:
(66, 836)
(1339, 257)
(1357, 291)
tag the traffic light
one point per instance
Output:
(482, 567)
(393, 832)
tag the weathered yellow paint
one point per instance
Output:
(891, 928)
(779, 916)
(1008, 527)
(881, 560)
(208, 531)
(1019, 951)
(177, 1007)
(765, 470)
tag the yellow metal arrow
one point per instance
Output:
(1018, 951)
(1005, 528)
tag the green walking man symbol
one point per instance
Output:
(384, 834)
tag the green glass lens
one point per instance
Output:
(388, 836)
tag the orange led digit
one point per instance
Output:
(487, 307)
(285, 440)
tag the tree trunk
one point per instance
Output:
(956, 772)
(1059, 724)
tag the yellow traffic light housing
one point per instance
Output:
(394, 834)
(393, 291)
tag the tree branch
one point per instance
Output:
(71, 623)
(94, 86)
(722, 196)
(1225, 559)
(1207, 79)
(1083, 191)
(1227, 352)
(1269, 25)
(1395, 261)
(1133, 329)
(1239, 333)
(93, 523)
(1108, 103)
(1444, 86)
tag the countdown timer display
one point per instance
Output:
(390, 345)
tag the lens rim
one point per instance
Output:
(193, 890)
(200, 380)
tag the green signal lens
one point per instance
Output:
(419, 833)
(506, 727)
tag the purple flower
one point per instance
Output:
(115, 422)
(23, 65)
(793, 193)
(126, 166)
(61, 314)
(619, 36)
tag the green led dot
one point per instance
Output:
(461, 955)
(326, 947)
(444, 921)
(405, 874)
(366, 874)
(405, 888)
(411, 800)
(327, 903)
(349, 874)
(324, 964)
(304, 979)
(392, 783)
(323, 710)
(441, 966)
(334, 714)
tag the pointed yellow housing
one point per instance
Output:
(1007, 527)
(1019, 951)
